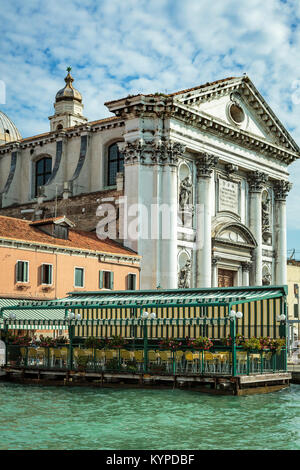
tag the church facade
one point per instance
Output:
(202, 175)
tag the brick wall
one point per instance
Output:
(79, 209)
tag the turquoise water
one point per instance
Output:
(39, 417)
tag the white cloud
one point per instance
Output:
(118, 47)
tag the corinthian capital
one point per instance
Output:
(136, 151)
(257, 180)
(281, 189)
(168, 152)
(205, 165)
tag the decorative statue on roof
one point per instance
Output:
(184, 277)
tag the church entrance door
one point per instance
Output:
(225, 278)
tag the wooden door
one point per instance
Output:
(225, 278)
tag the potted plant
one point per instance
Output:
(200, 343)
(171, 343)
(116, 342)
(252, 344)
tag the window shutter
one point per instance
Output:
(50, 274)
(133, 281)
(18, 271)
(111, 280)
(41, 274)
(26, 271)
(100, 279)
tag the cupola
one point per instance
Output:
(68, 106)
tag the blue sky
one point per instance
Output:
(119, 47)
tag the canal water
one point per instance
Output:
(40, 417)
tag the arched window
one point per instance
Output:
(43, 170)
(115, 164)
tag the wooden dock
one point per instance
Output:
(224, 385)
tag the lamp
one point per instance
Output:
(233, 314)
(78, 316)
(281, 317)
(71, 315)
(152, 315)
(12, 316)
(145, 314)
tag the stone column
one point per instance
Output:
(205, 166)
(245, 273)
(256, 181)
(168, 154)
(214, 277)
(281, 189)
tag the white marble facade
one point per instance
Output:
(215, 155)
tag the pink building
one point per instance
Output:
(48, 258)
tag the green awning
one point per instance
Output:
(178, 297)
(30, 318)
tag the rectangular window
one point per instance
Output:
(296, 310)
(22, 271)
(106, 280)
(131, 281)
(296, 290)
(79, 277)
(46, 274)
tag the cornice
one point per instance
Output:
(13, 243)
(43, 139)
(227, 132)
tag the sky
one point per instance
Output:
(118, 47)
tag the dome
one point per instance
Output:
(68, 92)
(8, 131)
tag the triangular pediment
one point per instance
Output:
(236, 103)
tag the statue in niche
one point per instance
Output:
(184, 278)
(185, 191)
(265, 214)
(266, 280)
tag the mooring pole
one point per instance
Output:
(233, 342)
(71, 335)
(145, 328)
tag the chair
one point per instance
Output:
(64, 355)
(152, 357)
(57, 357)
(99, 358)
(139, 358)
(23, 355)
(125, 355)
(189, 364)
(209, 362)
(165, 358)
(32, 356)
(224, 362)
(241, 359)
(178, 360)
(40, 355)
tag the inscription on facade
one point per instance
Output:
(228, 196)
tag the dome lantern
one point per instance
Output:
(68, 106)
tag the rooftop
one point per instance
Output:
(26, 231)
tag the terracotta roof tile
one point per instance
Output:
(23, 230)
